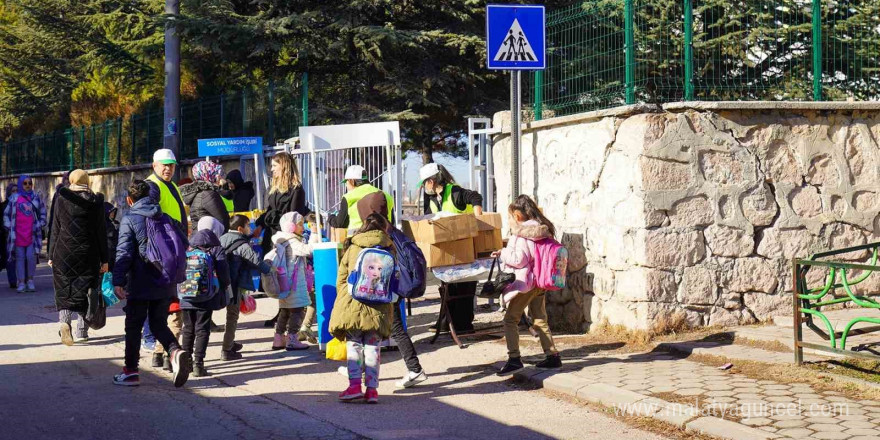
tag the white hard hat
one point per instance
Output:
(164, 156)
(428, 171)
(355, 172)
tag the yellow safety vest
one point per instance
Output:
(167, 201)
(352, 197)
(448, 206)
(230, 207)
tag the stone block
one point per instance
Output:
(785, 244)
(759, 206)
(722, 168)
(609, 395)
(765, 306)
(805, 201)
(752, 275)
(725, 241)
(698, 286)
(727, 429)
(566, 383)
(643, 284)
(692, 211)
(669, 248)
(660, 175)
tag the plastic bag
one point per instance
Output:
(248, 304)
(336, 350)
(107, 290)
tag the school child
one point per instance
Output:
(203, 292)
(288, 261)
(528, 225)
(364, 324)
(242, 260)
(305, 331)
(135, 280)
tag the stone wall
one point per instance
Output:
(697, 207)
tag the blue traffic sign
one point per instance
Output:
(515, 37)
(230, 146)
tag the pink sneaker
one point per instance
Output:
(372, 395)
(351, 393)
(278, 342)
(294, 344)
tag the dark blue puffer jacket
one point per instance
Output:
(130, 271)
(208, 242)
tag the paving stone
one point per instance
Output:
(807, 396)
(823, 420)
(751, 396)
(767, 382)
(677, 415)
(768, 428)
(722, 399)
(838, 399)
(727, 429)
(609, 395)
(855, 424)
(853, 418)
(821, 427)
(786, 424)
(867, 437)
(777, 393)
(863, 431)
(720, 393)
(795, 433)
(780, 399)
(718, 387)
(690, 391)
(565, 383)
(756, 421)
(781, 417)
(831, 436)
(776, 387)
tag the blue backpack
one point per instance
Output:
(373, 280)
(412, 265)
(166, 251)
(200, 283)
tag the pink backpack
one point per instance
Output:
(550, 263)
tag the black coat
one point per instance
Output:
(280, 204)
(204, 200)
(243, 193)
(78, 247)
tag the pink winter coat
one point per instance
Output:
(519, 254)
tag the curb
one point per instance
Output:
(629, 403)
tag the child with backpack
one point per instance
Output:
(204, 290)
(139, 276)
(530, 230)
(363, 312)
(242, 260)
(287, 280)
(305, 330)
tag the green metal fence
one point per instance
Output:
(604, 53)
(275, 112)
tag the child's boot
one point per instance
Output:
(294, 344)
(372, 395)
(353, 392)
(278, 342)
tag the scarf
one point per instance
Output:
(208, 171)
(28, 194)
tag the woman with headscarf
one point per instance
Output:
(203, 195)
(24, 219)
(7, 261)
(78, 251)
(242, 192)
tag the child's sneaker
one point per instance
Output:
(127, 378)
(412, 378)
(353, 392)
(158, 360)
(148, 345)
(66, 336)
(31, 287)
(294, 344)
(20, 288)
(372, 395)
(278, 342)
(552, 361)
(181, 365)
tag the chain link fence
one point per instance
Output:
(273, 113)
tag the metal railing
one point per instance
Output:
(275, 112)
(605, 53)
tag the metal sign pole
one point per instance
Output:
(515, 132)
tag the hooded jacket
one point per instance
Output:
(242, 260)
(78, 248)
(204, 200)
(350, 314)
(130, 270)
(243, 192)
(296, 251)
(207, 241)
(519, 254)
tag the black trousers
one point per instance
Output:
(462, 309)
(195, 333)
(136, 312)
(404, 342)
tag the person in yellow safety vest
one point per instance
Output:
(356, 183)
(166, 192)
(442, 194)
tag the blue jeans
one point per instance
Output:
(149, 338)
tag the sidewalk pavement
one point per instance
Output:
(52, 391)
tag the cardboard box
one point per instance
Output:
(338, 235)
(449, 253)
(441, 230)
(488, 237)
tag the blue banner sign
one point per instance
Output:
(230, 146)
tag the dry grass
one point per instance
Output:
(789, 374)
(706, 405)
(774, 346)
(856, 368)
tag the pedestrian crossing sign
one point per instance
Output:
(515, 37)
